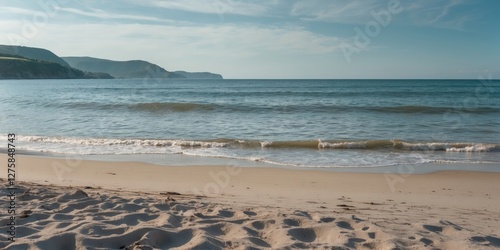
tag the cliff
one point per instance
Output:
(33, 53)
(20, 62)
(17, 67)
(198, 75)
(120, 69)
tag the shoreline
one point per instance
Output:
(275, 207)
(178, 160)
(80, 172)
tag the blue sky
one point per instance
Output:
(270, 38)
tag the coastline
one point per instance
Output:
(444, 209)
(178, 160)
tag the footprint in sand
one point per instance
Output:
(327, 219)
(140, 237)
(62, 217)
(303, 234)
(259, 242)
(226, 213)
(426, 241)
(344, 225)
(371, 235)
(250, 213)
(490, 240)
(63, 225)
(214, 230)
(291, 222)
(251, 232)
(23, 231)
(434, 229)
(62, 241)
(170, 220)
(351, 242)
(259, 225)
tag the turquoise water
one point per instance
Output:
(303, 123)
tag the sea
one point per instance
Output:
(346, 125)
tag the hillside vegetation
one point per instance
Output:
(33, 53)
(17, 67)
(19, 62)
(121, 69)
(198, 75)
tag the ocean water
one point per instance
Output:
(295, 123)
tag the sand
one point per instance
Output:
(75, 204)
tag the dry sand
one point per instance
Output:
(72, 204)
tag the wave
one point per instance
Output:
(112, 142)
(433, 110)
(172, 107)
(140, 107)
(412, 146)
(461, 162)
(447, 146)
(397, 145)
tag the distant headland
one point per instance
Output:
(19, 62)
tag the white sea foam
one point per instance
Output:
(474, 148)
(339, 154)
(343, 145)
(109, 142)
(448, 147)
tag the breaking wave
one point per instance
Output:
(249, 108)
(397, 145)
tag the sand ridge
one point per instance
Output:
(132, 205)
(94, 218)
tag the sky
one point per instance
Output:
(270, 39)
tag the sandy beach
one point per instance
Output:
(76, 204)
(231, 124)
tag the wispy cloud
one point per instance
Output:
(17, 11)
(342, 11)
(101, 14)
(435, 13)
(220, 7)
(444, 11)
(234, 40)
(441, 14)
